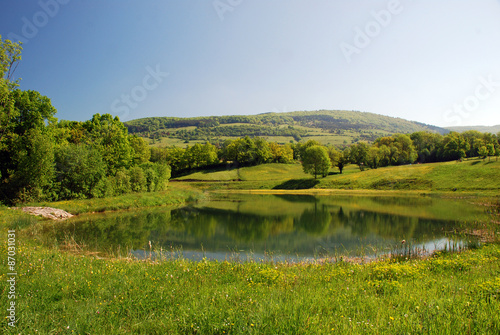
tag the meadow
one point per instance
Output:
(473, 177)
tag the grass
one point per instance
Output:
(175, 195)
(472, 176)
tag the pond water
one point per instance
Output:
(277, 227)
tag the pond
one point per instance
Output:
(239, 227)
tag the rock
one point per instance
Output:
(48, 212)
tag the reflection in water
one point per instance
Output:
(291, 227)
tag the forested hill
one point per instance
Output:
(325, 126)
(482, 129)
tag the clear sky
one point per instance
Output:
(436, 62)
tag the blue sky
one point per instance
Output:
(436, 62)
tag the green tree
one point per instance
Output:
(454, 147)
(281, 153)
(26, 152)
(110, 137)
(483, 152)
(140, 150)
(10, 55)
(491, 150)
(359, 154)
(138, 181)
(33, 161)
(302, 147)
(200, 155)
(338, 158)
(121, 182)
(79, 170)
(373, 157)
(316, 161)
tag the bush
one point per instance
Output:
(137, 179)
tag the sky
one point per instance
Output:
(436, 62)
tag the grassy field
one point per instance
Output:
(472, 176)
(175, 195)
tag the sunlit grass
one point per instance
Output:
(174, 195)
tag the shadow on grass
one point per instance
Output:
(297, 184)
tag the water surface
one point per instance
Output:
(277, 227)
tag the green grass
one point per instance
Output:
(473, 176)
(225, 175)
(175, 194)
(468, 176)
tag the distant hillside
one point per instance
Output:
(327, 127)
(483, 129)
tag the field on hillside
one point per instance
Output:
(472, 175)
(339, 128)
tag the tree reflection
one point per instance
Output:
(299, 227)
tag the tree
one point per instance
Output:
(359, 154)
(281, 153)
(454, 146)
(338, 158)
(79, 169)
(10, 55)
(483, 152)
(491, 150)
(302, 147)
(316, 161)
(140, 150)
(200, 155)
(33, 161)
(426, 144)
(137, 179)
(26, 152)
(373, 157)
(110, 137)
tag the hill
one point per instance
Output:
(473, 175)
(325, 126)
(483, 129)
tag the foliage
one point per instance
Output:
(316, 161)
(354, 126)
(79, 169)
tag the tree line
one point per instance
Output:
(42, 158)
(317, 159)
